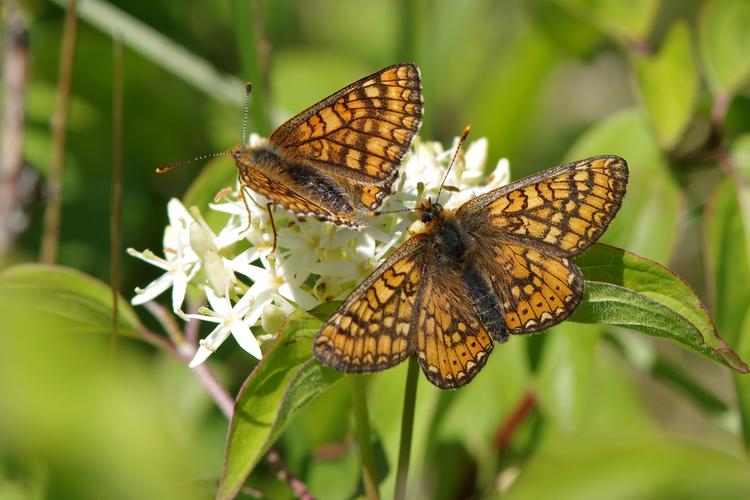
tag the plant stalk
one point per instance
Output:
(14, 77)
(362, 425)
(407, 427)
(52, 216)
(253, 48)
(116, 208)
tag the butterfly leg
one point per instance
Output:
(247, 207)
(273, 225)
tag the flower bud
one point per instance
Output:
(216, 274)
(201, 241)
(272, 319)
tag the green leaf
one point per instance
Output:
(728, 258)
(740, 154)
(647, 221)
(156, 47)
(564, 381)
(669, 85)
(626, 290)
(565, 30)
(627, 467)
(61, 299)
(624, 21)
(287, 379)
(725, 44)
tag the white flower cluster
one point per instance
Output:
(248, 285)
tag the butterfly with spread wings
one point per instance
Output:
(340, 157)
(499, 265)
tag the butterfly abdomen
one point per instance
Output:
(485, 303)
(298, 177)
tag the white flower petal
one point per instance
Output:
(476, 155)
(153, 290)
(151, 259)
(179, 290)
(201, 355)
(297, 295)
(210, 344)
(221, 305)
(335, 268)
(246, 339)
(203, 317)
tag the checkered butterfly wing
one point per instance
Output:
(408, 306)
(372, 329)
(530, 229)
(359, 135)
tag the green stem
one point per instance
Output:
(253, 48)
(116, 208)
(672, 374)
(362, 424)
(52, 215)
(407, 426)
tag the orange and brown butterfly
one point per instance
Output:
(339, 158)
(499, 265)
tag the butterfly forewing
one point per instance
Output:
(373, 328)
(339, 158)
(360, 133)
(561, 210)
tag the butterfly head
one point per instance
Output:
(430, 211)
(236, 151)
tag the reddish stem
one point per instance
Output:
(513, 421)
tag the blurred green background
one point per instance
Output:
(616, 415)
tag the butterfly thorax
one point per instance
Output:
(247, 157)
(451, 240)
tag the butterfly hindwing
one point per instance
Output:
(536, 290)
(373, 328)
(452, 342)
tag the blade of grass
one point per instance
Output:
(161, 50)
(253, 48)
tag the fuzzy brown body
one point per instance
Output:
(265, 171)
(499, 265)
(339, 158)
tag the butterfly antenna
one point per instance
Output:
(379, 212)
(461, 140)
(248, 90)
(172, 166)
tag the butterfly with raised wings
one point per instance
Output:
(339, 158)
(499, 265)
